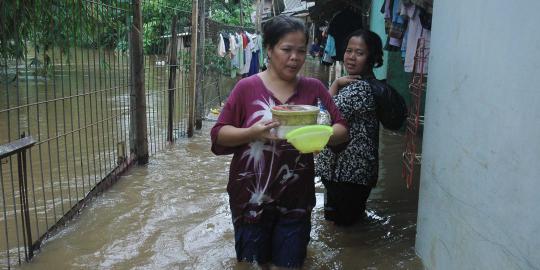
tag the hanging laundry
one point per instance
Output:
(404, 44)
(247, 62)
(261, 50)
(233, 45)
(398, 27)
(221, 46)
(329, 51)
(427, 5)
(226, 42)
(233, 54)
(414, 32)
(386, 9)
(240, 40)
(245, 39)
(425, 18)
(247, 54)
(254, 66)
(234, 69)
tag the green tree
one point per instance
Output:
(157, 18)
(229, 13)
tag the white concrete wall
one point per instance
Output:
(480, 179)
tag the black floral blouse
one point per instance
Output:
(358, 163)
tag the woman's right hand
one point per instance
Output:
(262, 130)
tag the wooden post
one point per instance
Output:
(172, 78)
(193, 66)
(25, 208)
(19, 148)
(23, 195)
(258, 16)
(199, 110)
(140, 145)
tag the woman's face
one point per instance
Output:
(356, 56)
(288, 55)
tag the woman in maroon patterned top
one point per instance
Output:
(271, 184)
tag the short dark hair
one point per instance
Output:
(374, 44)
(279, 26)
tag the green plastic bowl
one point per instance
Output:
(310, 138)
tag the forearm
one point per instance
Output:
(334, 88)
(341, 135)
(232, 136)
(341, 82)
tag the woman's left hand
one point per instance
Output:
(342, 82)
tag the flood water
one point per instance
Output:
(174, 214)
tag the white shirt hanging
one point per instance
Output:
(221, 46)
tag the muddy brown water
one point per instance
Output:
(174, 214)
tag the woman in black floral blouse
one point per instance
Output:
(349, 173)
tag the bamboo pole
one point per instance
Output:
(137, 78)
(193, 66)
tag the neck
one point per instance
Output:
(366, 74)
(281, 89)
(275, 79)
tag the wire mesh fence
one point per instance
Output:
(66, 81)
(160, 86)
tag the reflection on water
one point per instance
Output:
(173, 214)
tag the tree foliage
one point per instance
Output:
(229, 13)
(91, 24)
(99, 24)
(61, 24)
(157, 20)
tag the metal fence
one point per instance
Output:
(166, 73)
(66, 80)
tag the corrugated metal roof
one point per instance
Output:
(295, 6)
(290, 4)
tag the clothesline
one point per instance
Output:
(244, 50)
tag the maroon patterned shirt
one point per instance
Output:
(271, 176)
